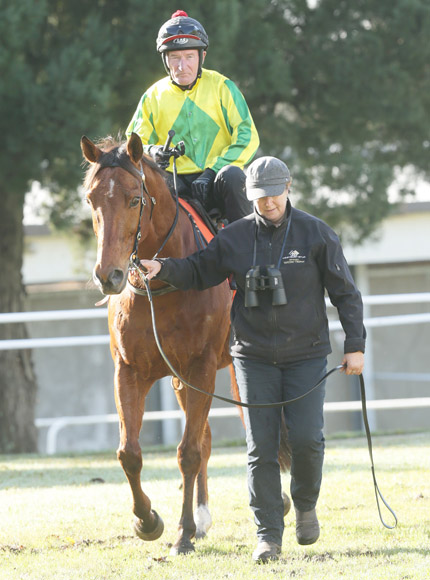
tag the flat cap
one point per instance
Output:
(266, 177)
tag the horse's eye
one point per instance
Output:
(135, 202)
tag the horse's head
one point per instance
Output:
(113, 185)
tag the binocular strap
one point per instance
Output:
(287, 230)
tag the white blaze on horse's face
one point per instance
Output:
(111, 188)
(115, 204)
(183, 66)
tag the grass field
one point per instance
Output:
(70, 517)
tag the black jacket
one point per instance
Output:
(312, 261)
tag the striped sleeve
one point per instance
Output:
(244, 137)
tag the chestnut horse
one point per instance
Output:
(193, 326)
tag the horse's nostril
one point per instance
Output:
(116, 277)
(110, 283)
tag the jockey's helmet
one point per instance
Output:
(182, 33)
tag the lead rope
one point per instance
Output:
(378, 493)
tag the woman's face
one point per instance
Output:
(273, 208)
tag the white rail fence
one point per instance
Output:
(56, 424)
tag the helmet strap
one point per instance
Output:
(164, 59)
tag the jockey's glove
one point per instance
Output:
(201, 187)
(161, 157)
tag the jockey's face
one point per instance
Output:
(184, 65)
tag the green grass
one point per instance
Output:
(57, 520)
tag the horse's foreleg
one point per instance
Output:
(193, 454)
(202, 516)
(130, 403)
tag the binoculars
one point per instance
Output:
(256, 281)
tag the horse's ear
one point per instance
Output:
(91, 152)
(135, 148)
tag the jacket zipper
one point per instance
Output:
(274, 318)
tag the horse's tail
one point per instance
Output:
(284, 456)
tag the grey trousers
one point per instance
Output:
(261, 382)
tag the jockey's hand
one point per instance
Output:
(201, 187)
(151, 267)
(161, 157)
(353, 363)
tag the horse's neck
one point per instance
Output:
(180, 241)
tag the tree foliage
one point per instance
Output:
(341, 92)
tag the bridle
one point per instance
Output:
(144, 190)
(119, 158)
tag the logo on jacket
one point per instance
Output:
(294, 257)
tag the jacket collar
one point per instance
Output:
(190, 87)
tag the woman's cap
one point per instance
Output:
(266, 177)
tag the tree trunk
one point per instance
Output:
(17, 379)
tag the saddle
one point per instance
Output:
(205, 225)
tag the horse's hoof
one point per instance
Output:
(182, 547)
(287, 503)
(148, 535)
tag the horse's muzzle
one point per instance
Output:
(113, 283)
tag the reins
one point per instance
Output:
(170, 136)
(134, 260)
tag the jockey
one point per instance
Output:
(207, 112)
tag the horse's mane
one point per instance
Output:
(112, 145)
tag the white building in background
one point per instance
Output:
(79, 380)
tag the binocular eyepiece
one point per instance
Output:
(256, 281)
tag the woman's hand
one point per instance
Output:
(152, 268)
(353, 363)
